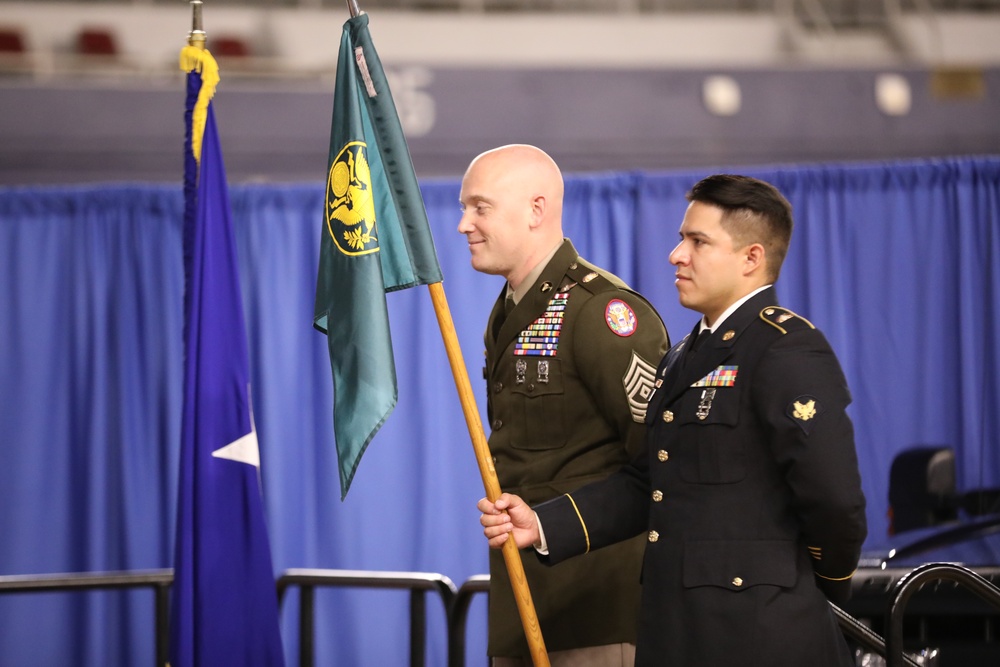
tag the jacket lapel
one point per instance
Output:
(535, 301)
(714, 351)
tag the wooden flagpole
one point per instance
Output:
(511, 555)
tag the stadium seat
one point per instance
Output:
(96, 42)
(11, 41)
(228, 47)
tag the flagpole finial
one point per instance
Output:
(197, 36)
(352, 5)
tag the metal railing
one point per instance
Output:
(911, 583)
(457, 601)
(158, 580)
(864, 636)
(418, 583)
(479, 583)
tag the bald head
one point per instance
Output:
(528, 167)
(512, 209)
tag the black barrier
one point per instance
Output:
(457, 601)
(864, 636)
(478, 583)
(158, 580)
(911, 583)
(418, 583)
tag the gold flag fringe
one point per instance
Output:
(196, 58)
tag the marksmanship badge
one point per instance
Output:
(350, 207)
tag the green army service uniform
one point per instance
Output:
(569, 372)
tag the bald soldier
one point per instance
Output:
(570, 357)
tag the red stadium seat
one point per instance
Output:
(11, 41)
(96, 42)
(228, 47)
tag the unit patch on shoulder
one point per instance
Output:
(620, 318)
(639, 386)
(803, 411)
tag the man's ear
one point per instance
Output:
(756, 259)
(538, 204)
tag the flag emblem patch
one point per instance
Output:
(350, 207)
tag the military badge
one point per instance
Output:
(803, 411)
(723, 376)
(705, 404)
(620, 318)
(638, 382)
(543, 371)
(350, 205)
(520, 369)
(541, 338)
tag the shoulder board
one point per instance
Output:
(784, 320)
(590, 277)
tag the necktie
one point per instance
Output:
(699, 339)
(508, 305)
(694, 345)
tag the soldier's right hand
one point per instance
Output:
(509, 515)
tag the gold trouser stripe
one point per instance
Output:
(576, 509)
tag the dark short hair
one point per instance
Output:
(753, 212)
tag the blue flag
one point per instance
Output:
(375, 239)
(225, 606)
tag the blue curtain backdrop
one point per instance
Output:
(898, 263)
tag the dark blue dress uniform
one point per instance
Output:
(749, 497)
(569, 372)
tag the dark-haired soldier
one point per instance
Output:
(749, 492)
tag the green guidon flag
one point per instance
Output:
(375, 239)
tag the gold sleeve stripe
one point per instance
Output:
(576, 509)
(836, 578)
